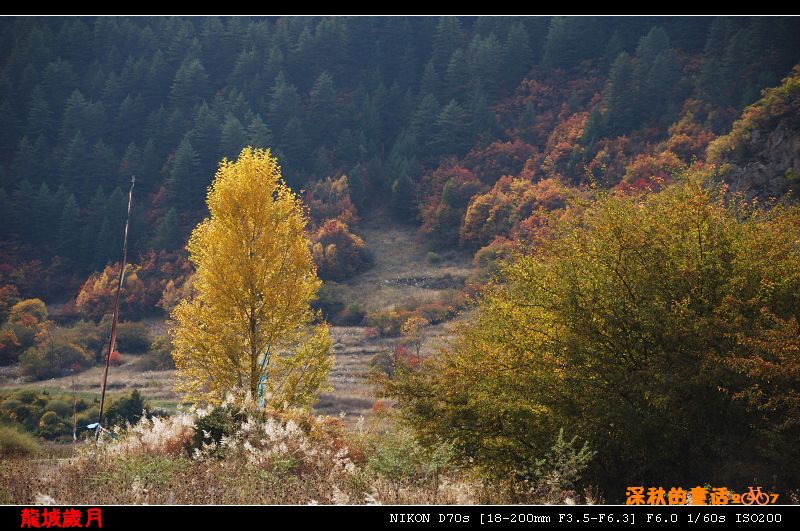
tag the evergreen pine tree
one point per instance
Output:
(233, 137)
(449, 36)
(184, 186)
(168, 232)
(621, 96)
(41, 218)
(69, 230)
(102, 246)
(259, 134)
(517, 53)
(285, 103)
(452, 129)
(40, 117)
(402, 199)
(75, 163)
(190, 85)
(322, 107)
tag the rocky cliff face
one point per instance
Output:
(761, 154)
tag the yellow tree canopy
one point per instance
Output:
(249, 322)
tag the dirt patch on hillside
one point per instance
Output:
(402, 271)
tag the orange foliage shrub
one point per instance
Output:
(30, 277)
(435, 312)
(541, 103)
(775, 104)
(116, 359)
(690, 135)
(142, 291)
(338, 252)
(10, 347)
(379, 406)
(9, 296)
(96, 297)
(564, 149)
(607, 165)
(509, 202)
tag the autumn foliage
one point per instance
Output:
(445, 194)
(158, 280)
(659, 327)
(248, 326)
(509, 203)
(338, 252)
(330, 199)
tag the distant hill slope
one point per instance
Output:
(761, 154)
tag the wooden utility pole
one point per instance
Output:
(113, 339)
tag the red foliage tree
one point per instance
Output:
(649, 172)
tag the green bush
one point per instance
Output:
(126, 409)
(9, 406)
(55, 356)
(394, 457)
(90, 336)
(88, 416)
(31, 396)
(556, 476)
(159, 357)
(384, 363)
(434, 258)
(47, 415)
(389, 322)
(133, 337)
(10, 347)
(34, 363)
(59, 407)
(661, 328)
(52, 427)
(331, 299)
(398, 458)
(25, 335)
(434, 312)
(221, 421)
(14, 443)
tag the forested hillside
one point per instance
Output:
(422, 114)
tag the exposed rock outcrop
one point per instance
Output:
(761, 154)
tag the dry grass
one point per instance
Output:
(399, 255)
(269, 458)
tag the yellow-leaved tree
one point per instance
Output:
(249, 326)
